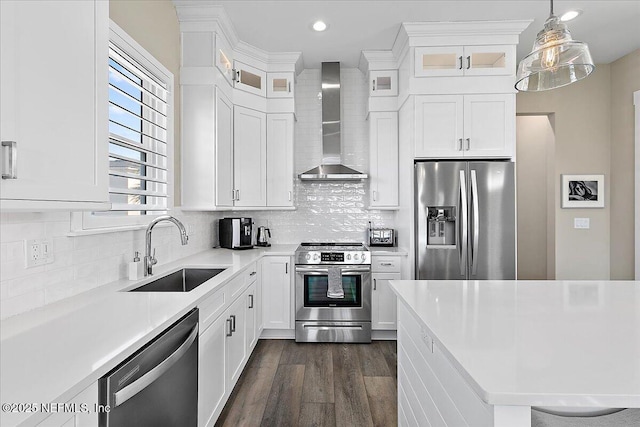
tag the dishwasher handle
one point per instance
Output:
(147, 379)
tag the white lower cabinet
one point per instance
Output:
(226, 342)
(383, 300)
(276, 292)
(212, 372)
(84, 411)
(235, 346)
(251, 318)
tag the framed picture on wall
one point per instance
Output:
(583, 191)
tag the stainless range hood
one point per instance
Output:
(331, 168)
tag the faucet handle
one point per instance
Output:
(153, 260)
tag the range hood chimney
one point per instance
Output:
(331, 168)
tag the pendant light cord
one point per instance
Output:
(551, 11)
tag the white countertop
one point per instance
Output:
(536, 343)
(53, 353)
(387, 251)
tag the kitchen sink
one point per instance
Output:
(183, 280)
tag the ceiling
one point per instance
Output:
(610, 27)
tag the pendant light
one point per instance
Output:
(556, 59)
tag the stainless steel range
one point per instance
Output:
(333, 292)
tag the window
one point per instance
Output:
(140, 136)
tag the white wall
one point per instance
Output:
(330, 211)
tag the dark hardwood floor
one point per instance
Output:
(302, 384)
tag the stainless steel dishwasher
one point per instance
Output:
(158, 385)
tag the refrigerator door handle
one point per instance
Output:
(476, 222)
(462, 240)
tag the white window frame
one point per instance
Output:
(81, 221)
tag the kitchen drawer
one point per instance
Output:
(235, 287)
(250, 273)
(385, 264)
(211, 308)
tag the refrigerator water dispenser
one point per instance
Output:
(441, 226)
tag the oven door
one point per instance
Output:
(312, 302)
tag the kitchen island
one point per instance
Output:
(482, 353)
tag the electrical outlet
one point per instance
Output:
(38, 252)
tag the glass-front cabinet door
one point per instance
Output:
(489, 60)
(383, 83)
(250, 79)
(280, 85)
(439, 61)
(443, 61)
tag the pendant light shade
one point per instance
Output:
(556, 59)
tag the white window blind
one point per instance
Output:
(138, 122)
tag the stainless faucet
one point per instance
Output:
(150, 260)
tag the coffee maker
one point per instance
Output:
(235, 233)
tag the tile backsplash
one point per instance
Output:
(83, 262)
(329, 211)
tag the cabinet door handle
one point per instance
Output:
(233, 323)
(289, 86)
(289, 195)
(253, 273)
(12, 148)
(229, 331)
(373, 82)
(286, 268)
(460, 58)
(386, 264)
(468, 144)
(375, 284)
(250, 301)
(468, 62)
(237, 195)
(374, 195)
(460, 144)
(233, 195)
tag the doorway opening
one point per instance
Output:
(535, 172)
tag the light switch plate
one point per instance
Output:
(582, 223)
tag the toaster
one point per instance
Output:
(382, 237)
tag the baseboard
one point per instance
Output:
(290, 334)
(384, 335)
(278, 334)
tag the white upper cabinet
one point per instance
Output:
(453, 126)
(280, 85)
(250, 79)
(280, 174)
(383, 160)
(224, 58)
(54, 104)
(383, 83)
(442, 61)
(250, 157)
(224, 150)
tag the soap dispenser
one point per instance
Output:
(136, 268)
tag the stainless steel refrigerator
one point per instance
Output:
(465, 220)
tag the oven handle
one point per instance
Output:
(325, 270)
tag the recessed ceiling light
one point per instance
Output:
(319, 26)
(571, 14)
